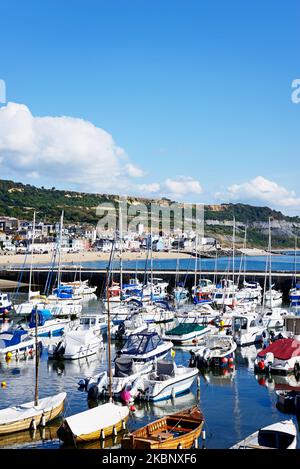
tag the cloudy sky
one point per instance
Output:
(189, 99)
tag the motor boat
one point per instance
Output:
(168, 380)
(250, 291)
(217, 352)
(273, 298)
(187, 333)
(124, 373)
(16, 343)
(248, 329)
(294, 295)
(281, 356)
(97, 322)
(202, 293)
(76, 344)
(274, 317)
(133, 324)
(280, 435)
(47, 325)
(5, 303)
(145, 346)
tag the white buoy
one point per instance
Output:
(203, 435)
(173, 393)
(43, 420)
(115, 431)
(33, 424)
(198, 381)
(123, 424)
(196, 446)
(102, 434)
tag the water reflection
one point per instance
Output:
(235, 403)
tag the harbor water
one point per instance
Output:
(235, 402)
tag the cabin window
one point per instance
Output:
(252, 324)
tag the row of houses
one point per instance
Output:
(16, 236)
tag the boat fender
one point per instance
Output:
(33, 424)
(269, 358)
(206, 354)
(297, 369)
(43, 420)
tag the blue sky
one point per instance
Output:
(194, 97)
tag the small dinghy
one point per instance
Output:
(29, 415)
(280, 435)
(217, 352)
(168, 380)
(187, 333)
(176, 431)
(76, 344)
(93, 424)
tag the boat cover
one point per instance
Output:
(123, 367)
(165, 367)
(96, 419)
(185, 328)
(28, 410)
(282, 349)
(144, 342)
(9, 338)
(43, 316)
(79, 337)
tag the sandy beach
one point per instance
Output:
(94, 256)
(85, 256)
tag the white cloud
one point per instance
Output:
(260, 190)
(134, 171)
(62, 150)
(182, 187)
(151, 188)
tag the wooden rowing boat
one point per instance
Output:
(99, 422)
(25, 416)
(179, 430)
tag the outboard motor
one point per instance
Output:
(121, 331)
(95, 389)
(59, 350)
(193, 360)
(137, 387)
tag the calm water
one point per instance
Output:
(234, 403)
(256, 263)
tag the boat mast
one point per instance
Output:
(60, 244)
(295, 262)
(121, 251)
(233, 252)
(151, 266)
(196, 259)
(108, 325)
(270, 264)
(31, 256)
(37, 358)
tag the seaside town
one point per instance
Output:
(149, 231)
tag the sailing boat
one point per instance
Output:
(272, 297)
(35, 413)
(102, 421)
(294, 294)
